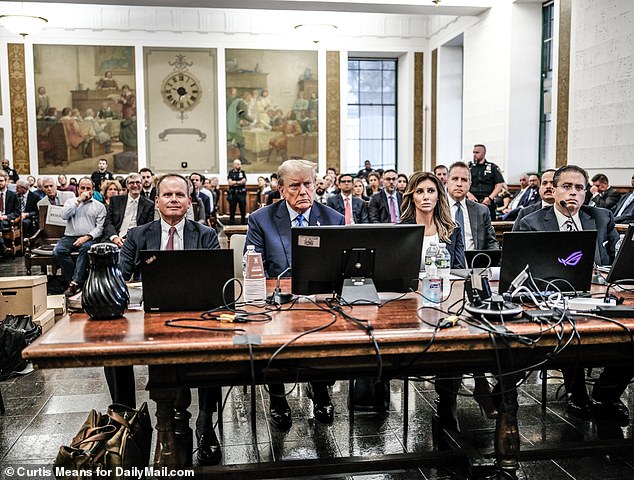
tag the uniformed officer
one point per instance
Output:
(486, 179)
(237, 180)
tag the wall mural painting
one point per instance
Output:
(272, 107)
(86, 110)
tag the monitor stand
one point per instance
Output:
(359, 291)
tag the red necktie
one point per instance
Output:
(170, 240)
(348, 212)
(2, 202)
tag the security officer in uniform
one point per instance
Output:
(237, 180)
(486, 179)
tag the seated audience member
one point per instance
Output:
(321, 194)
(101, 173)
(473, 218)
(569, 183)
(352, 208)
(109, 189)
(401, 182)
(374, 184)
(12, 175)
(502, 200)
(32, 183)
(425, 203)
(149, 190)
(366, 170)
(441, 172)
(52, 195)
(624, 210)
(603, 195)
(172, 232)
(202, 194)
(527, 195)
(27, 202)
(127, 211)
(9, 209)
(358, 190)
(270, 232)
(64, 186)
(385, 205)
(39, 191)
(274, 194)
(546, 193)
(85, 218)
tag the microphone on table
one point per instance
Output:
(597, 279)
(279, 298)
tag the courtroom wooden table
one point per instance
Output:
(179, 358)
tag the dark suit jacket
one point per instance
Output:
(628, 214)
(455, 246)
(481, 228)
(607, 199)
(11, 204)
(116, 211)
(359, 210)
(592, 218)
(270, 232)
(30, 206)
(534, 207)
(152, 196)
(379, 210)
(148, 237)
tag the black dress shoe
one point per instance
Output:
(615, 411)
(323, 410)
(281, 414)
(208, 451)
(579, 407)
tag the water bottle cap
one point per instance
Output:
(250, 247)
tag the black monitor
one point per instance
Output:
(622, 270)
(361, 260)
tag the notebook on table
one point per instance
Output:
(184, 280)
(564, 258)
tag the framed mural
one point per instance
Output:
(181, 109)
(272, 107)
(86, 110)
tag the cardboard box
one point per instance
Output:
(23, 295)
(46, 320)
(57, 303)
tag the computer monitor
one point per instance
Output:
(356, 261)
(622, 270)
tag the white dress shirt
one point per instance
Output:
(469, 244)
(129, 217)
(562, 221)
(179, 243)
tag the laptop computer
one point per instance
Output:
(566, 258)
(623, 266)
(182, 280)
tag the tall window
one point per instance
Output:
(371, 125)
(548, 12)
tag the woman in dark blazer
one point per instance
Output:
(425, 203)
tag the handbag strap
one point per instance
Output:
(95, 434)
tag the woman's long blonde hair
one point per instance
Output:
(442, 216)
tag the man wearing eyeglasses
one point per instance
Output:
(385, 205)
(569, 214)
(352, 208)
(127, 211)
(270, 232)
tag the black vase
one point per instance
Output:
(105, 294)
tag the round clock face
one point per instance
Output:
(181, 91)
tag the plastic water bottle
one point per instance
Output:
(254, 282)
(443, 264)
(432, 287)
(430, 256)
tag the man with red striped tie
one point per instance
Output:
(352, 208)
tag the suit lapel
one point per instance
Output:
(550, 220)
(474, 223)
(587, 222)
(283, 225)
(190, 236)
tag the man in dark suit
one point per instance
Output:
(474, 218)
(12, 175)
(569, 183)
(172, 232)
(127, 211)
(270, 232)
(624, 210)
(27, 202)
(352, 208)
(9, 208)
(546, 194)
(385, 205)
(147, 179)
(603, 195)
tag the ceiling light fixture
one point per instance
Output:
(23, 24)
(316, 31)
(435, 2)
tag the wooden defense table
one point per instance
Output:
(179, 358)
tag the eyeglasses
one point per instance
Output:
(389, 179)
(296, 187)
(569, 186)
(134, 181)
(345, 181)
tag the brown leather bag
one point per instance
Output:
(115, 442)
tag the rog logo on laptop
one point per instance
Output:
(571, 260)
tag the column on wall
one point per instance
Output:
(418, 111)
(333, 111)
(19, 116)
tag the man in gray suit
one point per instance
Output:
(546, 193)
(474, 218)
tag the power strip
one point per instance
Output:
(585, 304)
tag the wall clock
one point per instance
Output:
(181, 90)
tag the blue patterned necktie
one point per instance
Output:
(460, 220)
(300, 220)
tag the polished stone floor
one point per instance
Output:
(45, 408)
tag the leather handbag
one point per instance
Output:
(16, 332)
(110, 444)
